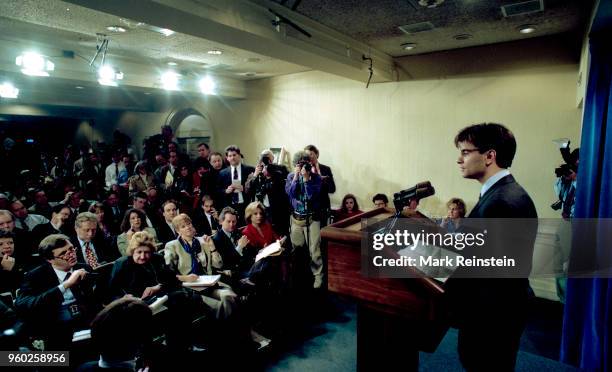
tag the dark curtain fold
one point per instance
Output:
(587, 324)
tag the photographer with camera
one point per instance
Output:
(267, 184)
(304, 190)
(565, 188)
(565, 184)
(328, 186)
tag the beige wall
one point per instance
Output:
(393, 135)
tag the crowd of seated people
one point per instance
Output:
(81, 230)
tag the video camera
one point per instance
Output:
(417, 192)
(569, 157)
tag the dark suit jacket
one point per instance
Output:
(231, 258)
(200, 222)
(128, 277)
(225, 179)
(105, 251)
(328, 186)
(478, 299)
(39, 302)
(39, 232)
(164, 232)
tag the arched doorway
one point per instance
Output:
(190, 128)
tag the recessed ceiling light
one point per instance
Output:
(79, 87)
(166, 31)
(215, 52)
(147, 93)
(170, 80)
(8, 90)
(526, 29)
(67, 9)
(171, 63)
(118, 29)
(34, 64)
(408, 46)
(462, 37)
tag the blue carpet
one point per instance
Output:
(331, 346)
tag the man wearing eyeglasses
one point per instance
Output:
(56, 298)
(491, 311)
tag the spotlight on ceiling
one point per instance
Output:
(207, 85)
(117, 29)
(108, 76)
(165, 31)
(170, 80)
(34, 64)
(215, 52)
(526, 29)
(408, 46)
(8, 90)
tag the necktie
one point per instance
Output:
(24, 226)
(90, 257)
(235, 197)
(116, 171)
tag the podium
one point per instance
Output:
(396, 318)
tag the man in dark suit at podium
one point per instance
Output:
(491, 313)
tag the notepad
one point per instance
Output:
(203, 281)
(273, 249)
(81, 335)
(158, 305)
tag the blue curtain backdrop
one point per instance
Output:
(587, 323)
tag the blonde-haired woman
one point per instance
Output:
(190, 256)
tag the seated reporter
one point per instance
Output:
(456, 212)
(121, 332)
(12, 268)
(134, 221)
(260, 234)
(57, 297)
(144, 275)
(190, 256)
(349, 208)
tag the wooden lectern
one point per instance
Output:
(395, 317)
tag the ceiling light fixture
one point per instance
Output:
(170, 80)
(208, 85)
(108, 76)
(79, 87)
(171, 63)
(408, 46)
(526, 29)
(215, 52)
(117, 29)
(34, 64)
(8, 90)
(166, 31)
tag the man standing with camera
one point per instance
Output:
(304, 190)
(565, 188)
(328, 186)
(267, 184)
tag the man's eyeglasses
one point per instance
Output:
(63, 255)
(466, 152)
